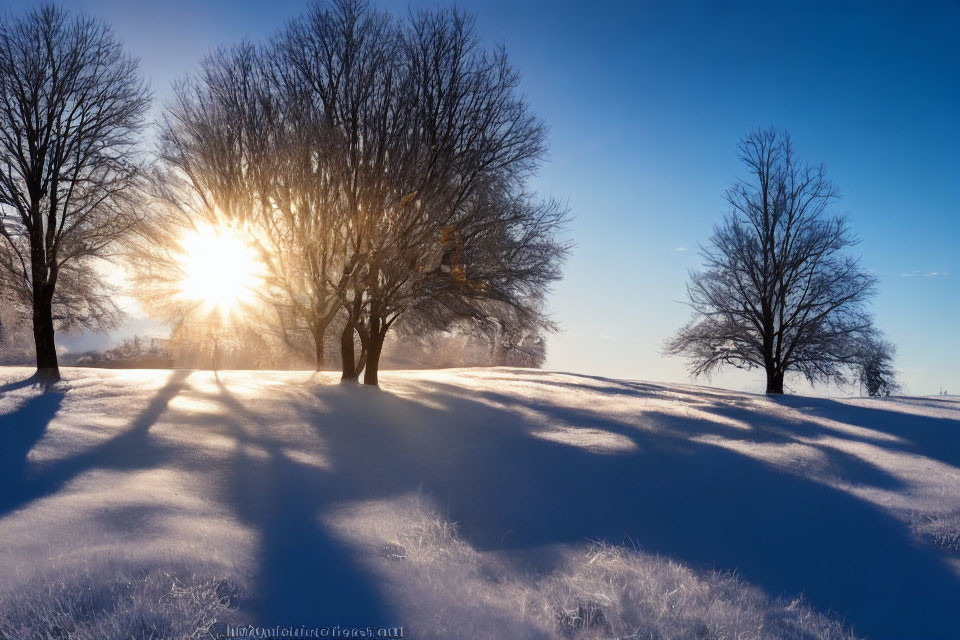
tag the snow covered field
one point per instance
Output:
(484, 502)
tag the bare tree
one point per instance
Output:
(874, 366)
(441, 152)
(349, 60)
(777, 290)
(244, 143)
(380, 165)
(71, 104)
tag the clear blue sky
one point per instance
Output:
(645, 102)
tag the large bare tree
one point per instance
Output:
(71, 106)
(381, 164)
(778, 291)
(349, 60)
(244, 143)
(439, 146)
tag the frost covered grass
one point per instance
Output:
(622, 592)
(592, 591)
(939, 530)
(113, 602)
(616, 591)
(744, 516)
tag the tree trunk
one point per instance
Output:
(774, 382)
(352, 365)
(349, 364)
(318, 343)
(48, 370)
(373, 358)
(375, 335)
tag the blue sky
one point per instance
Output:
(645, 102)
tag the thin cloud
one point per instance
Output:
(680, 249)
(916, 273)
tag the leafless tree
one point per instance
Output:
(777, 291)
(71, 106)
(874, 366)
(348, 59)
(439, 147)
(244, 143)
(380, 164)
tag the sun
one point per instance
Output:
(221, 269)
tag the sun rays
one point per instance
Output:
(221, 269)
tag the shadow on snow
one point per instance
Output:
(510, 490)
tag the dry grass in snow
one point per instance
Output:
(113, 601)
(595, 591)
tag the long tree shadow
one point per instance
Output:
(933, 437)
(305, 575)
(26, 382)
(484, 459)
(578, 382)
(704, 505)
(129, 449)
(761, 429)
(20, 430)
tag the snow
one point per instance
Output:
(287, 478)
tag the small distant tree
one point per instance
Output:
(778, 290)
(874, 368)
(136, 353)
(71, 104)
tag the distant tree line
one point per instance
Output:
(133, 353)
(249, 349)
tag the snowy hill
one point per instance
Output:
(490, 502)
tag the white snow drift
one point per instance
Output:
(558, 504)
